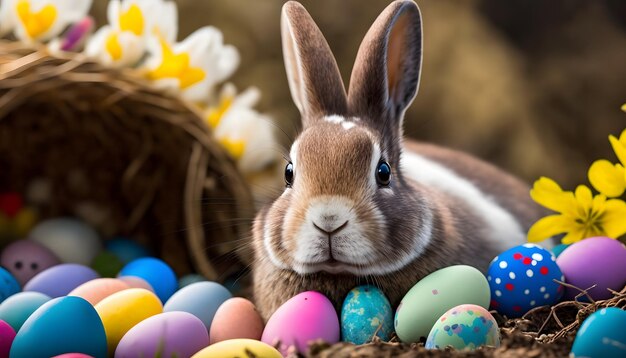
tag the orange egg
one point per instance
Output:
(96, 290)
(236, 318)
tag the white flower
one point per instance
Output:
(41, 20)
(131, 23)
(245, 133)
(7, 16)
(192, 66)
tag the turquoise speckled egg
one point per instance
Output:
(61, 325)
(601, 335)
(464, 327)
(366, 312)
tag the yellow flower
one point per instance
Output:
(608, 178)
(191, 67)
(581, 215)
(41, 20)
(131, 22)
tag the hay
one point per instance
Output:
(128, 158)
(542, 332)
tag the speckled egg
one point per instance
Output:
(464, 327)
(202, 299)
(434, 295)
(61, 279)
(601, 335)
(16, 309)
(522, 278)
(236, 318)
(26, 258)
(169, 334)
(599, 261)
(122, 310)
(156, 272)
(61, 325)
(96, 290)
(366, 312)
(7, 335)
(305, 317)
(8, 284)
(71, 240)
(238, 348)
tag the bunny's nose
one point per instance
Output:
(330, 227)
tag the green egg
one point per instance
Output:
(106, 264)
(435, 294)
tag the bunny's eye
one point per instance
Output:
(383, 174)
(289, 174)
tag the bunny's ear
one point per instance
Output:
(314, 79)
(386, 73)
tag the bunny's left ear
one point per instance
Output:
(386, 73)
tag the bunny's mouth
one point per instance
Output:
(332, 266)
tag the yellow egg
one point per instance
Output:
(238, 348)
(122, 310)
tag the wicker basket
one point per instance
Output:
(132, 159)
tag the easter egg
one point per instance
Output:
(238, 348)
(601, 335)
(464, 327)
(136, 282)
(126, 250)
(71, 240)
(107, 264)
(73, 355)
(26, 258)
(61, 279)
(122, 310)
(522, 278)
(96, 290)
(599, 261)
(189, 279)
(435, 294)
(154, 271)
(201, 299)
(236, 318)
(61, 325)
(366, 312)
(7, 335)
(169, 334)
(305, 317)
(17, 308)
(8, 284)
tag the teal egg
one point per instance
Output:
(464, 327)
(61, 325)
(558, 249)
(366, 312)
(601, 335)
(16, 309)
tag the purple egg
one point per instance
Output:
(25, 259)
(60, 280)
(599, 261)
(7, 335)
(169, 334)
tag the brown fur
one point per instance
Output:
(336, 161)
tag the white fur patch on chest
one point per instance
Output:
(503, 229)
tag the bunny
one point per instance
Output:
(362, 204)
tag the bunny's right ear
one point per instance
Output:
(314, 79)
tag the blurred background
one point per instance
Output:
(533, 86)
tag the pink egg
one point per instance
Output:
(236, 318)
(305, 317)
(96, 290)
(136, 282)
(7, 335)
(73, 355)
(26, 258)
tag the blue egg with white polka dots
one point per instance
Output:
(522, 278)
(366, 313)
